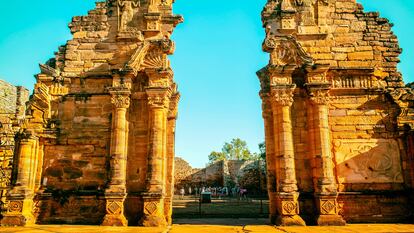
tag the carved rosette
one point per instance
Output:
(328, 206)
(283, 96)
(151, 208)
(114, 207)
(290, 207)
(15, 207)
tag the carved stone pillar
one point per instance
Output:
(158, 101)
(169, 189)
(116, 192)
(287, 190)
(20, 198)
(270, 155)
(323, 165)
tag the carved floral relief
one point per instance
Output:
(368, 161)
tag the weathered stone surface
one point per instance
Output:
(98, 138)
(332, 89)
(12, 110)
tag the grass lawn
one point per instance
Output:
(189, 207)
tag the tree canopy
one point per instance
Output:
(235, 150)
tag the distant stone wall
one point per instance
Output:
(220, 173)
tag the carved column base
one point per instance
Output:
(328, 211)
(153, 211)
(19, 211)
(288, 210)
(115, 211)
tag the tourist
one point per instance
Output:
(182, 192)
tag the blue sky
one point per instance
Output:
(218, 52)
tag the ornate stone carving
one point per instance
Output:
(290, 208)
(120, 101)
(368, 161)
(158, 99)
(319, 96)
(114, 207)
(151, 208)
(138, 57)
(126, 13)
(285, 50)
(15, 206)
(282, 96)
(328, 206)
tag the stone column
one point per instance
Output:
(172, 118)
(115, 194)
(323, 170)
(20, 198)
(158, 102)
(287, 190)
(270, 156)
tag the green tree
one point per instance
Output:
(216, 156)
(234, 150)
(262, 150)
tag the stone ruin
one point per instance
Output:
(97, 143)
(98, 139)
(337, 115)
(12, 111)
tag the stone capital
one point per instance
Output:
(120, 100)
(173, 108)
(158, 98)
(319, 94)
(282, 95)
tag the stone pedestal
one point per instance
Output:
(115, 210)
(288, 210)
(328, 211)
(19, 210)
(153, 211)
(116, 192)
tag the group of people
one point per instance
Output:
(215, 191)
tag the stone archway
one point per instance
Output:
(97, 144)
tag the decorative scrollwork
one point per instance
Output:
(282, 96)
(120, 101)
(285, 50)
(319, 96)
